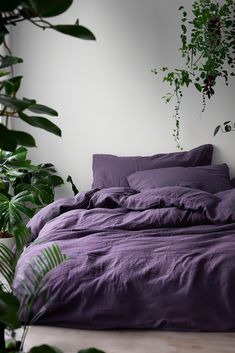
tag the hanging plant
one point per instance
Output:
(208, 51)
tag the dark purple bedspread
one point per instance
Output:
(162, 258)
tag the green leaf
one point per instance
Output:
(4, 73)
(213, 7)
(42, 109)
(3, 198)
(12, 85)
(14, 103)
(227, 128)
(75, 31)
(42, 123)
(21, 236)
(9, 308)
(7, 61)
(74, 188)
(42, 193)
(56, 180)
(217, 130)
(7, 264)
(45, 349)
(184, 29)
(29, 212)
(30, 101)
(45, 8)
(7, 141)
(11, 138)
(23, 138)
(20, 154)
(203, 75)
(16, 172)
(48, 167)
(198, 87)
(40, 266)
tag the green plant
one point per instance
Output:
(36, 12)
(10, 306)
(19, 179)
(208, 48)
(24, 188)
(227, 126)
(50, 258)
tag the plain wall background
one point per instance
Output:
(107, 98)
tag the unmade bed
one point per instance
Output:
(144, 257)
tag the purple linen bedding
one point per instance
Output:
(112, 171)
(210, 178)
(160, 259)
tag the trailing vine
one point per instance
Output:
(208, 51)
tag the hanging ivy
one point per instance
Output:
(208, 52)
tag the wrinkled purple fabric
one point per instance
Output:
(112, 171)
(233, 181)
(210, 178)
(161, 259)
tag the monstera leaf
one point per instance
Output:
(12, 209)
(41, 193)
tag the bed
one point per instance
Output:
(143, 257)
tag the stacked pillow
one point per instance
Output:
(212, 178)
(190, 169)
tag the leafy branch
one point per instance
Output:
(208, 51)
(36, 12)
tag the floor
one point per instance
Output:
(70, 341)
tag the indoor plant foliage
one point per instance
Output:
(24, 188)
(10, 306)
(36, 12)
(208, 51)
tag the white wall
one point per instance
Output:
(108, 99)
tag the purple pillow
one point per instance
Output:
(110, 171)
(211, 178)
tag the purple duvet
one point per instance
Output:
(162, 259)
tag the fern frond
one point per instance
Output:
(50, 258)
(7, 264)
(21, 235)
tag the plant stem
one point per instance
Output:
(12, 75)
(39, 25)
(23, 337)
(198, 59)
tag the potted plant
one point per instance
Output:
(208, 48)
(7, 239)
